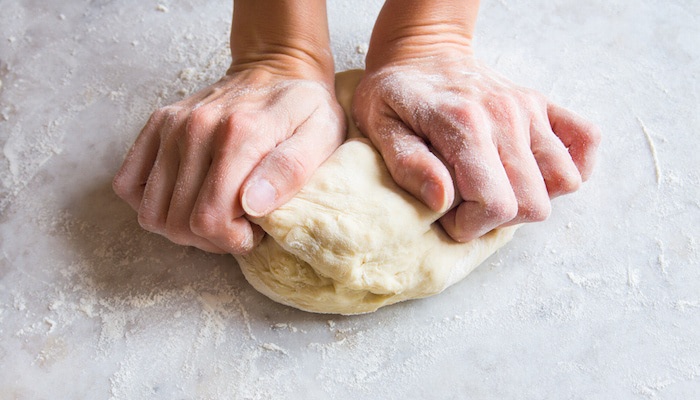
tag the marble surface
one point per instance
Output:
(601, 301)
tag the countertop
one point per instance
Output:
(601, 301)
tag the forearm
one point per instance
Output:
(286, 36)
(422, 28)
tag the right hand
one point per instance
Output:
(244, 145)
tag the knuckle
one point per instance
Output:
(166, 119)
(201, 116)
(197, 127)
(463, 114)
(240, 244)
(291, 166)
(402, 157)
(121, 187)
(203, 223)
(150, 221)
(534, 211)
(170, 114)
(182, 240)
(240, 122)
(466, 225)
(569, 183)
(506, 107)
(534, 103)
(178, 231)
(159, 116)
(500, 99)
(462, 231)
(501, 209)
(235, 128)
(403, 165)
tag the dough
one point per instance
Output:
(353, 241)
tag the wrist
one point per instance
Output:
(284, 37)
(407, 30)
(294, 62)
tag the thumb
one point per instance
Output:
(287, 168)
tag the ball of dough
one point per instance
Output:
(352, 240)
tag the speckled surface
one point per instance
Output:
(600, 301)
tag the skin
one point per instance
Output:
(247, 144)
(434, 111)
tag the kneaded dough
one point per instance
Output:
(353, 241)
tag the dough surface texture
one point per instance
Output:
(353, 241)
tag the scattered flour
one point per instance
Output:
(159, 321)
(652, 149)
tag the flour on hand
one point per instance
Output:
(352, 240)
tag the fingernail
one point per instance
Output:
(259, 198)
(433, 195)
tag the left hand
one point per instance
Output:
(509, 148)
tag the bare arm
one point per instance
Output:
(287, 37)
(409, 29)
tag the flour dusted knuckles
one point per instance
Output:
(353, 241)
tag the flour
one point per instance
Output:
(578, 305)
(274, 347)
(652, 149)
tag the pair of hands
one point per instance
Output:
(247, 144)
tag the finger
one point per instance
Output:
(194, 152)
(524, 176)
(412, 165)
(217, 214)
(287, 168)
(235, 236)
(560, 174)
(130, 181)
(578, 135)
(154, 206)
(489, 200)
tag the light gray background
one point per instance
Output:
(601, 301)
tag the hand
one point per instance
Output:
(432, 110)
(244, 145)
(510, 149)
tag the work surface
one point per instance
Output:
(601, 301)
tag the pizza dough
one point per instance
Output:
(353, 241)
